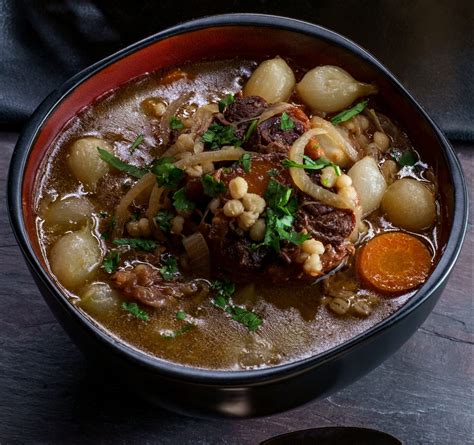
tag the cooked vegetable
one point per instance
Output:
(330, 88)
(198, 254)
(228, 154)
(394, 262)
(85, 162)
(349, 114)
(75, 257)
(273, 80)
(409, 204)
(369, 184)
(303, 181)
(69, 212)
(99, 299)
(310, 164)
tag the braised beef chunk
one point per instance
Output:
(246, 107)
(325, 223)
(145, 284)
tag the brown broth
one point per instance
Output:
(297, 322)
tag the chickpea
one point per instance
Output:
(233, 208)
(238, 187)
(144, 227)
(253, 203)
(185, 142)
(312, 266)
(302, 257)
(177, 225)
(133, 229)
(311, 246)
(257, 231)
(247, 220)
(207, 167)
(349, 193)
(195, 171)
(389, 171)
(340, 306)
(362, 140)
(328, 177)
(382, 140)
(214, 205)
(343, 181)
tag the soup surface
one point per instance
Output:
(234, 215)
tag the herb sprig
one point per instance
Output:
(111, 261)
(286, 123)
(219, 135)
(310, 164)
(213, 187)
(181, 201)
(147, 245)
(138, 140)
(167, 175)
(135, 310)
(225, 102)
(117, 163)
(350, 113)
(169, 271)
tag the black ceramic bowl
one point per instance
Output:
(254, 392)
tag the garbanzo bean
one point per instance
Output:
(247, 220)
(382, 140)
(313, 246)
(177, 225)
(233, 208)
(257, 231)
(253, 203)
(238, 187)
(312, 266)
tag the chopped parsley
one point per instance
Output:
(213, 187)
(178, 332)
(225, 102)
(136, 143)
(111, 261)
(405, 159)
(163, 220)
(147, 245)
(350, 113)
(117, 163)
(280, 217)
(246, 162)
(176, 123)
(103, 214)
(167, 175)
(218, 135)
(223, 300)
(250, 130)
(181, 315)
(310, 164)
(273, 172)
(169, 271)
(181, 201)
(135, 310)
(110, 227)
(286, 123)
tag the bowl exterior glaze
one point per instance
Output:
(234, 393)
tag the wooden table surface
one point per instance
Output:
(423, 394)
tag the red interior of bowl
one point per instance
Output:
(219, 43)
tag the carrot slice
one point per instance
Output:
(394, 262)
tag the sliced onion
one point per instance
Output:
(198, 253)
(225, 154)
(154, 202)
(303, 181)
(335, 143)
(173, 107)
(375, 119)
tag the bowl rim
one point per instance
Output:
(231, 377)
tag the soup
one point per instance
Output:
(235, 214)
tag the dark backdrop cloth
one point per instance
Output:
(428, 45)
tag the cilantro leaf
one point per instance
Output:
(225, 102)
(110, 227)
(135, 310)
(181, 315)
(176, 123)
(170, 270)
(117, 163)
(406, 159)
(286, 123)
(167, 175)
(278, 197)
(111, 261)
(136, 143)
(178, 332)
(136, 243)
(250, 130)
(181, 201)
(218, 135)
(213, 187)
(163, 219)
(249, 319)
(310, 164)
(246, 162)
(350, 113)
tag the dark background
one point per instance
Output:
(48, 394)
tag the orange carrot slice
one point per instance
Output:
(394, 262)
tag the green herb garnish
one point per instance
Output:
(286, 123)
(250, 130)
(405, 159)
(181, 315)
(167, 175)
(135, 310)
(170, 270)
(110, 227)
(181, 201)
(350, 113)
(246, 162)
(163, 219)
(213, 187)
(136, 143)
(178, 332)
(176, 123)
(218, 135)
(115, 162)
(310, 164)
(225, 102)
(111, 261)
(273, 172)
(136, 243)
(223, 300)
